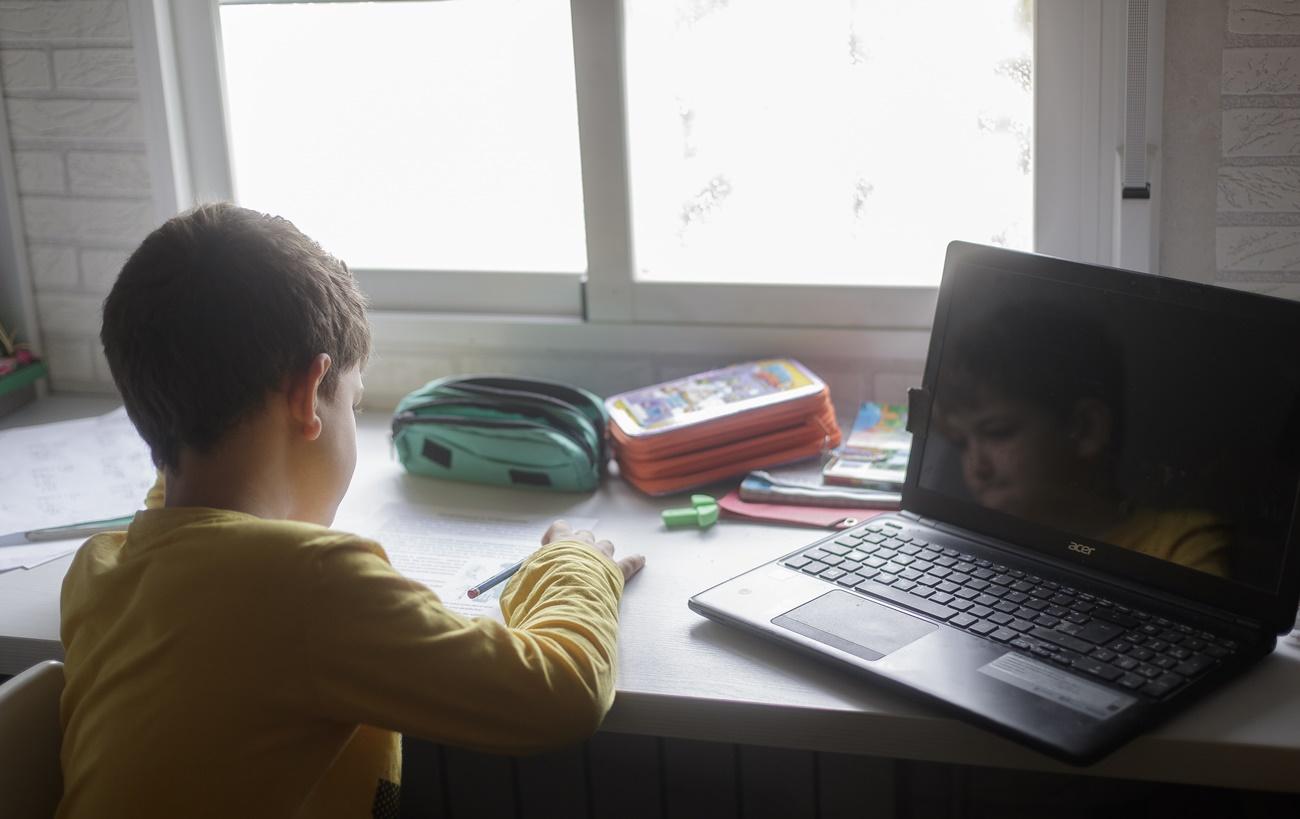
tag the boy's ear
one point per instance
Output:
(303, 395)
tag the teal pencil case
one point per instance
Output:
(503, 431)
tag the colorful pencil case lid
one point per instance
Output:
(710, 396)
(504, 431)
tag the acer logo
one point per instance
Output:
(1081, 549)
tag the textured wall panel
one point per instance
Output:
(1261, 71)
(1250, 132)
(1264, 17)
(1258, 248)
(1259, 188)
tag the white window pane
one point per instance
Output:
(828, 141)
(411, 135)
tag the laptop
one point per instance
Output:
(1098, 522)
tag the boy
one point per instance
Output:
(228, 655)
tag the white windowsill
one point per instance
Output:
(415, 331)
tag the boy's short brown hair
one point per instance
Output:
(215, 310)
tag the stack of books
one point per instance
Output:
(876, 452)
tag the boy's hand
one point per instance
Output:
(560, 530)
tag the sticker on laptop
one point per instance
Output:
(1057, 685)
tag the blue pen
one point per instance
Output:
(66, 532)
(493, 580)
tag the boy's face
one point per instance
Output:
(1015, 457)
(334, 453)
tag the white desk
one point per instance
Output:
(683, 676)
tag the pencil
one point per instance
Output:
(493, 580)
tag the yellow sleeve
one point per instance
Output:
(1191, 538)
(1204, 549)
(383, 651)
(157, 496)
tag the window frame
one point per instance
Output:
(1078, 122)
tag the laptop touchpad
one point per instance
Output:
(854, 624)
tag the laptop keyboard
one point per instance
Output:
(1117, 644)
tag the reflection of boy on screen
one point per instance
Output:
(1031, 398)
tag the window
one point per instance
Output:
(411, 136)
(695, 161)
(845, 143)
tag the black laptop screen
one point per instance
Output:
(1170, 430)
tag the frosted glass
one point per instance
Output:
(826, 141)
(411, 135)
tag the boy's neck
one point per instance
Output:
(247, 471)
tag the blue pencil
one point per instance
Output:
(493, 580)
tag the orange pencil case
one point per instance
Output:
(710, 426)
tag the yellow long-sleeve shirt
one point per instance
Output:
(223, 665)
(1189, 537)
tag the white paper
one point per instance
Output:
(36, 554)
(451, 552)
(69, 472)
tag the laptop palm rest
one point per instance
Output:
(851, 623)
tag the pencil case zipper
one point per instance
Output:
(710, 434)
(675, 483)
(808, 433)
(409, 418)
(522, 406)
(823, 417)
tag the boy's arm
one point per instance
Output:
(385, 652)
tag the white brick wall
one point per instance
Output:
(73, 220)
(69, 361)
(98, 68)
(69, 314)
(54, 267)
(39, 171)
(37, 20)
(71, 93)
(25, 70)
(68, 119)
(99, 269)
(108, 172)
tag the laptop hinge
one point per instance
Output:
(918, 411)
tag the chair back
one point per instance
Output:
(31, 780)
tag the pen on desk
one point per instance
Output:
(493, 580)
(67, 531)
